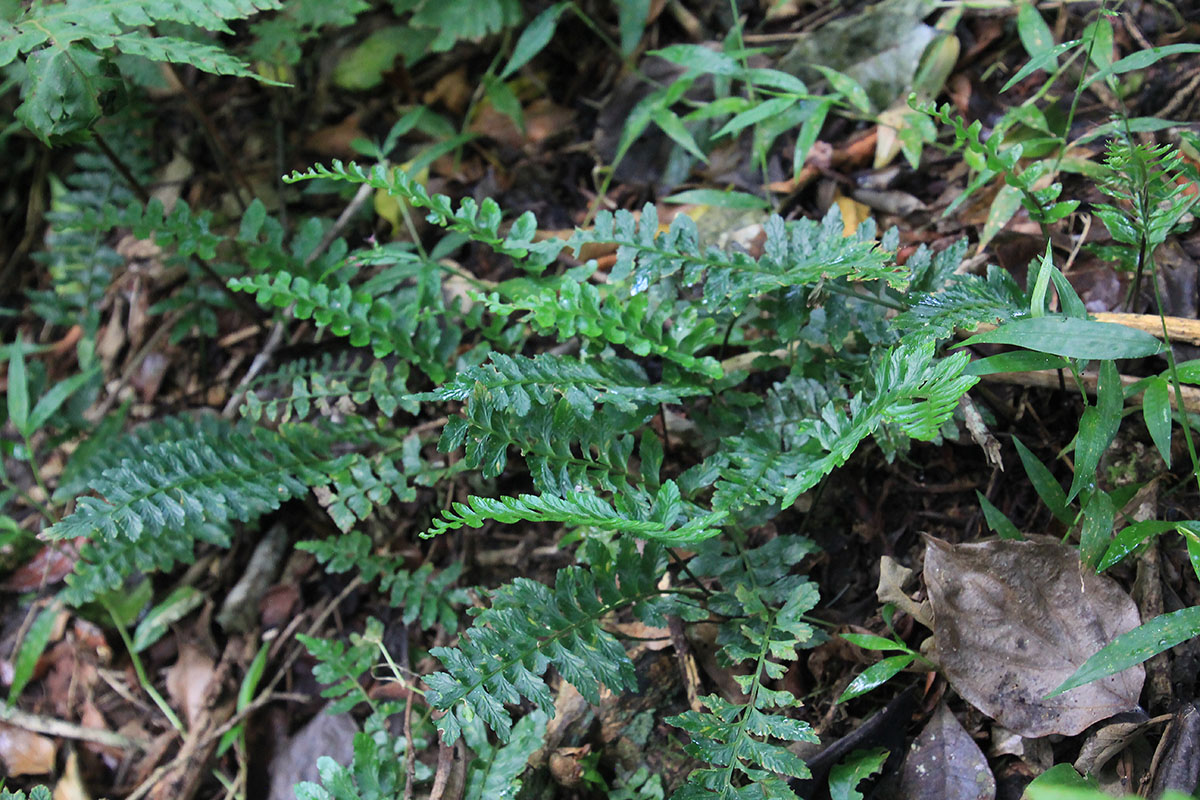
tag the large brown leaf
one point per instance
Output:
(1013, 620)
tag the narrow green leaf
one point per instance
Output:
(175, 607)
(869, 641)
(1132, 648)
(1035, 34)
(18, 390)
(1098, 39)
(996, 519)
(1015, 361)
(1041, 284)
(810, 129)
(1190, 532)
(1098, 514)
(246, 692)
(1097, 427)
(1068, 298)
(31, 649)
(720, 199)
(847, 86)
(876, 675)
(631, 22)
(52, 400)
(1141, 60)
(1006, 204)
(1072, 338)
(1042, 61)
(1044, 484)
(1156, 411)
(673, 126)
(1130, 538)
(760, 112)
(534, 38)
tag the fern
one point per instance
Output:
(339, 383)
(65, 43)
(757, 589)
(530, 627)
(964, 303)
(182, 490)
(478, 221)
(425, 597)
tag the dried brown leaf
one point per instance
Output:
(23, 752)
(1013, 620)
(946, 764)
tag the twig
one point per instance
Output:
(68, 730)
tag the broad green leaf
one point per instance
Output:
(1130, 538)
(1098, 514)
(18, 391)
(1072, 338)
(31, 649)
(996, 519)
(1098, 39)
(175, 607)
(1132, 648)
(673, 126)
(1097, 427)
(1044, 484)
(1156, 411)
(856, 767)
(847, 86)
(52, 400)
(534, 38)
(699, 59)
(631, 22)
(720, 199)
(876, 675)
(1035, 34)
(1015, 361)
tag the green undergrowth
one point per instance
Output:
(660, 411)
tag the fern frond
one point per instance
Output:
(184, 489)
(530, 627)
(913, 390)
(454, 22)
(803, 252)
(756, 587)
(519, 382)
(583, 509)
(346, 312)
(649, 323)
(340, 666)
(426, 597)
(478, 221)
(965, 302)
(341, 382)
(495, 772)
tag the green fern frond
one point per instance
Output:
(339, 382)
(185, 489)
(913, 390)
(66, 74)
(518, 383)
(649, 323)
(345, 311)
(967, 301)
(340, 666)
(471, 20)
(478, 221)
(803, 252)
(530, 627)
(740, 740)
(583, 509)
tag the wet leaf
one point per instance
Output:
(1013, 620)
(946, 764)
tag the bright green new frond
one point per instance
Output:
(913, 390)
(478, 221)
(530, 627)
(376, 773)
(340, 666)
(147, 511)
